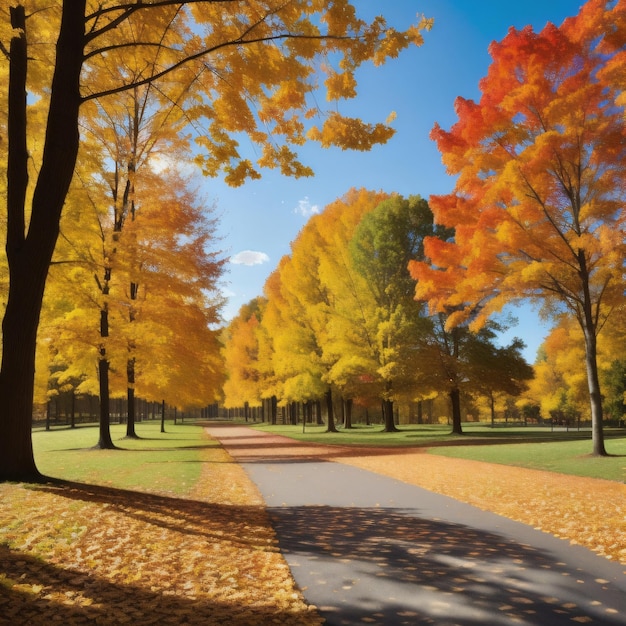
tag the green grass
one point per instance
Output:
(171, 462)
(532, 447)
(565, 457)
(421, 435)
(361, 435)
(166, 462)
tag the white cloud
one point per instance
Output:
(249, 257)
(305, 208)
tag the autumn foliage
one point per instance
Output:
(538, 203)
(339, 319)
(218, 72)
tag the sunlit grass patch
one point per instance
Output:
(532, 447)
(167, 462)
(565, 457)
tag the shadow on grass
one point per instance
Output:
(208, 446)
(43, 593)
(179, 514)
(211, 446)
(34, 591)
(413, 437)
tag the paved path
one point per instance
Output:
(367, 549)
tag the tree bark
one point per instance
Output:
(330, 426)
(73, 409)
(273, 410)
(347, 413)
(104, 433)
(104, 426)
(390, 425)
(595, 396)
(130, 396)
(455, 401)
(318, 413)
(388, 418)
(29, 255)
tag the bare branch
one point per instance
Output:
(205, 52)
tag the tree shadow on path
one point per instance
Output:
(388, 567)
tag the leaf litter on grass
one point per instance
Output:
(73, 553)
(586, 511)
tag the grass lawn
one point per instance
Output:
(566, 457)
(531, 447)
(164, 462)
(361, 435)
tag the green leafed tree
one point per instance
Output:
(383, 243)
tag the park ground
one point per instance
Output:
(170, 530)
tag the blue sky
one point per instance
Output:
(260, 219)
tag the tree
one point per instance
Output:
(134, 132)
(615, 385)
(538, 204)
(383, 243)
(241, 357)
(251, 64)
(496, 369)
(322, 284)
(171, 306)
(297, 366)
(143, 266)
(301, 305)
(559, 386)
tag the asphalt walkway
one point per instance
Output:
(367, 549)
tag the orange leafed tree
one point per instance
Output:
(241, 356)
(538, 204)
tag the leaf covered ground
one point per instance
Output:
(586, 511)
(72, 553)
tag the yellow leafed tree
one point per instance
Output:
(249, 67)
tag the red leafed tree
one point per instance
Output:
(538, 204)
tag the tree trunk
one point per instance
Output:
(455, 401)
(163, 416)
(273, 410)
(388, 419)
(588, 323)
(318, 413)
(595, 397)
(104, 441)
(330, 426)
(104, 431)
(29, 256)
(73, 410)
(130, 397)
(347, 413)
